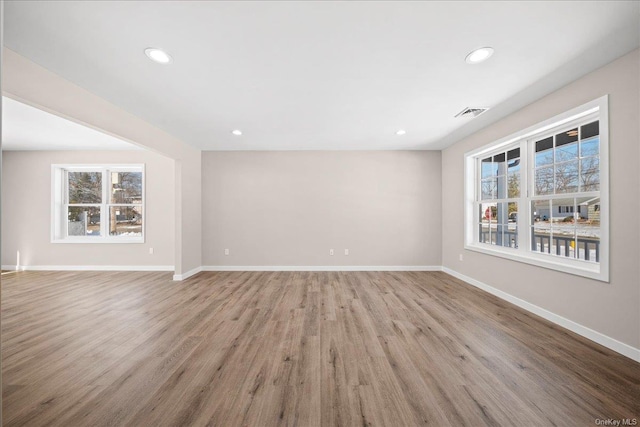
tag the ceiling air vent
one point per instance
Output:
(471, 112)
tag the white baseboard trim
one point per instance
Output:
(321, 268)
(89, 267)
(186, 275)
(611, 343)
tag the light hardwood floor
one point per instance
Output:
(294, 348)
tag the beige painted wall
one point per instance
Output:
(289, 208)
(188, 247)
(27, 82)
(26, 211)
(612, 309)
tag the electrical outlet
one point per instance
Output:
(150, 251)
(461, 257)
(331, 252)
(346, 251)
(226, 251)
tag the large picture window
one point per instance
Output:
(540, 196)
(98, 203)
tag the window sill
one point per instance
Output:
(98, 240)
(575, 267)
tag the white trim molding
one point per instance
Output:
(321, 268)
(88, 267)
(595, 336)
(186, 275)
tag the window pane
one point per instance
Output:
(484, 232)
(499, 164)
(590, 147)
(590, 130)
(541, 225)
(590, 174)
(540, 239)
(588, 228)
(487, 168)
(83, 221)
(510, 238)
(493, 236)
(484, 224)
(563, 210)
(513, 185)
(510, 229)
(501, 219)
(560, 196)
(563, 227)
(513, 170)
(85, 187)
(540, 211)
(544, 151)
(514, 160)
(126, 187)
(488, 212)
(589, 210)
(588, 248)
(488, 224)
(502, 213)
(563, 243)
(489, 188)
(501, 187)
(566, 145)
(567, 177)
(125, 221)
(544, 180)
(513, 212)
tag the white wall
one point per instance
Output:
(289, 208)
(610, 309)
(26, 211)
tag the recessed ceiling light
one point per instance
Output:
(479, 55)
(401, 132)
(236, 132)
(158, 55)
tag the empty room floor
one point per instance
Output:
(294, 348)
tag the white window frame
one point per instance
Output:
(599, 109)
(58, 203)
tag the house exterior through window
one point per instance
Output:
(540, 196)
(98, 203)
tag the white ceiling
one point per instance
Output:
(28, 128)
(320, 75)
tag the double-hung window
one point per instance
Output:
(540, 196)
(98, 203)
